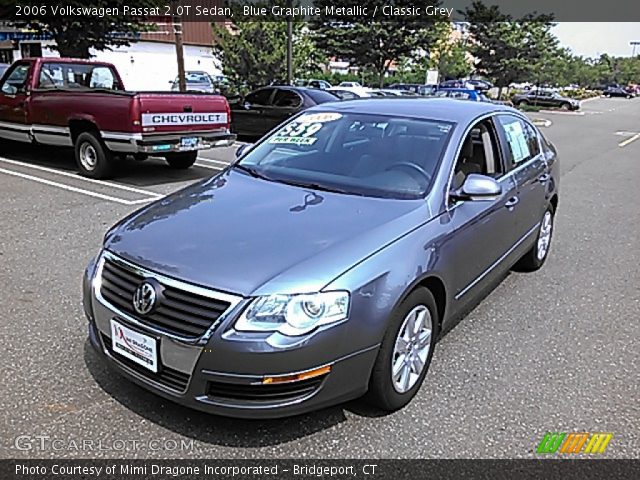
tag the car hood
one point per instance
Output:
(249, 236)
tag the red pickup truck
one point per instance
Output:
(80, 103)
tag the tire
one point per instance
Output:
(383, 390)
(93, 158)
(565, 106)
(523, 103)
(181, 161)
(532, 260)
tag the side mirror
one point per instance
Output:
(478, 187)
(243, 149)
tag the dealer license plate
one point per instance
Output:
(189, 142)
(135, 346)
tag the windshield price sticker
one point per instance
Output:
(297, 133)
(319, 117)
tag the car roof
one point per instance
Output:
(464, 90)
(445, 109)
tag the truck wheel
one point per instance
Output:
(181, 161)
(93, 158)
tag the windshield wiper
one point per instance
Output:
(317, 186)
(253, 172)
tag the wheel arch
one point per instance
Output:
(82, 125)
(436, 286)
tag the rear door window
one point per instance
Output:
(260, 97)
(287, 98)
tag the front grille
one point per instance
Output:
(179, 312)
(270, 393)
(170, 378)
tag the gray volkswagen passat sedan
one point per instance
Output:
(326, 262)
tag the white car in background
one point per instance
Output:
(350, 93)
(350, 85)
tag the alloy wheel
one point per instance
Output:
(411, 348)
(544, 237)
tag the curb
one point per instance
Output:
(560, 112)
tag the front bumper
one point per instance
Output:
(224, 373)
(242, 395)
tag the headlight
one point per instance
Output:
(294, 314)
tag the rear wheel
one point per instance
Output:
(405, 353)
(535, 258)
(93, 158)
(523, 103)
(181, 161)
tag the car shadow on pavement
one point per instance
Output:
(151, 172)
(203, 427)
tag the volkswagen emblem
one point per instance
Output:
(144, 298)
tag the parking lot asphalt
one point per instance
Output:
(552, 351)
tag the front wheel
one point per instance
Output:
(405, 353)
(535, 258)
(523, 103)
(565, 106)
(181, 161)
(93, 158)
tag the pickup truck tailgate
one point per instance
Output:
(173, 113)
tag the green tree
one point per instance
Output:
(629, 70)
(507, 50)
(452, 60)
(256, 52)
(75, 36)
(372, 44)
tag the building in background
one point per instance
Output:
(147, 64)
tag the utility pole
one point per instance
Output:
(289, 46)
(633, 47)
(177, 31)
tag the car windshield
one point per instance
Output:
(352, 153)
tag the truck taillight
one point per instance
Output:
(136, 123)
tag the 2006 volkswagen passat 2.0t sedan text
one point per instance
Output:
(324, 264)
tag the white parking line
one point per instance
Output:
(74, 189)
(629, 140)
(127, 188)
(542, 122)
(209, 160)
(559, 112)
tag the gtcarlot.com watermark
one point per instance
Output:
(46, 443)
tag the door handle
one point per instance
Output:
(544, 178)
(511, 203)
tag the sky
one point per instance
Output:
(593, 39)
